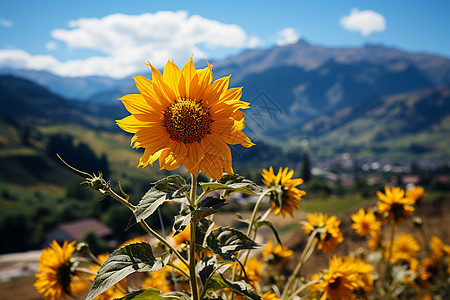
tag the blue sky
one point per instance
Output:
(114, 38)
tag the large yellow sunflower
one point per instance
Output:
(330, 237)
(286, 197)
(183, 118)
(393, 205)
(56, 279)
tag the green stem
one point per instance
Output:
(300, 289)
(387, 273)
(179, 269)
(193, 275)
(309, 249)
(202, 295)
(145, 226)
(249, 230)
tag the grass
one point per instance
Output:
(334, 204)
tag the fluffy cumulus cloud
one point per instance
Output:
(287, 36)
(127, 41)
(365, 21)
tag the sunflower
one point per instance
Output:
(134, 240)
(405, 247)
(253, 270)
(438, 248)
(393, 205)
(343, 278)
(277, 254)
(365, 224)
(183, 118)
(269, 295)
(286, 196)
(157, 280)
(331, 235)
(56, 279)
(416, 193)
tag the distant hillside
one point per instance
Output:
(28, 102)
(78, 88)
(303, 95)
(310, 57)
(413, 123)
(301, 55)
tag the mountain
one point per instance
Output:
(310, 57)
(301, 55)
(79, 88)
(416, 122)
(27, 102)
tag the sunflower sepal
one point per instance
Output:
(137, 257)
(148, 294)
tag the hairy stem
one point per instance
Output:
(309, 249)
(192, 273)
(145, 226)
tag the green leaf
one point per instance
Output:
(270, 225)
(132, 258)
(171, 184)
(182, 219)
(148, 294)
(178, 295)
(225, 241)
(232, 183)
(242, 288)
(204, 228)
(167, 189)
(207, 207)
(205, 267)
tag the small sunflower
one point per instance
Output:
(269, 295)
(330, 237)
(277, 254)
(56, 279)
(365, 223)
(253, 270)
(157, 280)
(135, 240)
(341, 279)
(416, 193)
(405, 247)
(393, 205)
(438, 249)
(183, 118)
(286, 197)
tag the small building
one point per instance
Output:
(77, 230)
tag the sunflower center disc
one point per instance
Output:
(187, 121)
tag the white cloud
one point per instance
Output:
(127, 41)
(51, 45)
(365, 21)
(287, 36)
(254, 42)
(6, 23)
